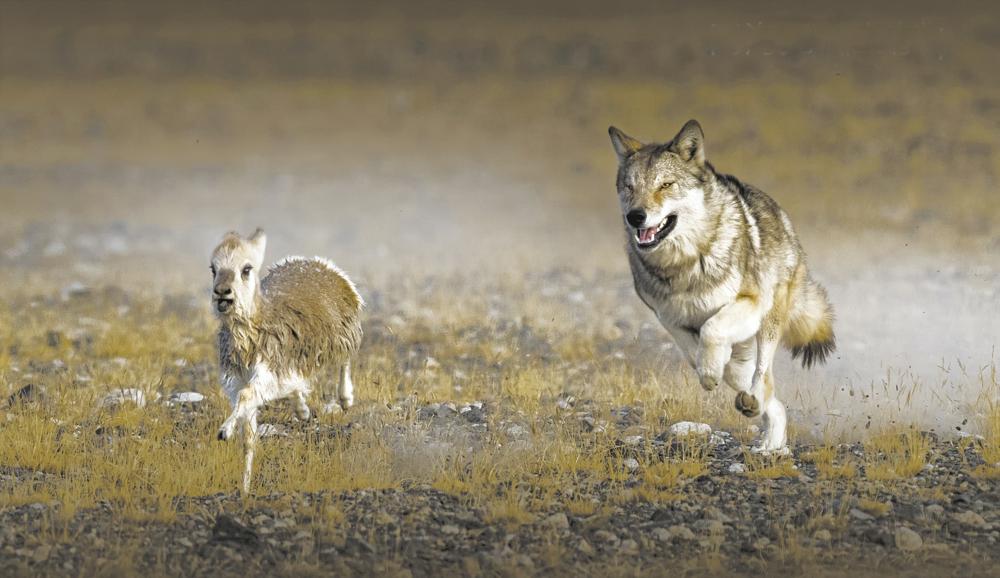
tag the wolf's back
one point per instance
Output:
(809, 332)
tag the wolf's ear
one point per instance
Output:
(259, 242)
(690, 143)
(624, 144)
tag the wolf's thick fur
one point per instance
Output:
(719, 263)
(275, 333)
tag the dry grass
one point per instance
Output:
(895, 455)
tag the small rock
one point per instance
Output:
(42, 553)
(661, 534)
(450, 529)
(585, 548)
(566, 403)
(631, 464)
(446, 410)
(228, 529)
(632, 440)
(30, 393)
(710, 526)
(737, 468)
(822, 536)
(934, 510)
(969, 518)
(607, 537)
(629, 547)
(266, 430)
(558, 521)
(859, 515)
(678, 532)
(687, 428)
(908, 540)
(186, 397)
(122, 396)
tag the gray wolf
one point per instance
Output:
(720, 265)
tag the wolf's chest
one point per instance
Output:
(686, 307)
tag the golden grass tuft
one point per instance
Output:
(895, 455)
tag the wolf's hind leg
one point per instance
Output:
(345, 389)
(774, 437)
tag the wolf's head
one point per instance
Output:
(236, 264)
(661, 187)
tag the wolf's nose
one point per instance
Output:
(223, 291)
(636, 217)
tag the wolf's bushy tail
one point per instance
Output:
(810, 325)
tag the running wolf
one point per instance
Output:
(719, 264)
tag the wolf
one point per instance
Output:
(720, 265)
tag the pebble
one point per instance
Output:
(934, 510)
(737, 468)
(687, 428)
(558, 521)
(126, 395)
(969, 518)
(859, 515)
(822, 536)
(629, 547)
(185, 397)
(678, 532)
(908, 540)
(631, 464)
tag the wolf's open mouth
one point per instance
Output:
(651, 237)
(223, 305)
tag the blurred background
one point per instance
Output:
(467, 140)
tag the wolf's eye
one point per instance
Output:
(246, 271)
(666, 185)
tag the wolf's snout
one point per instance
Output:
(223, 292)
(636, 217)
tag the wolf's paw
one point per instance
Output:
(346, 403)
(224, 434)
(763, 449)
(747, 404)
(302, 412)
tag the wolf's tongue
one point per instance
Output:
(647, 235)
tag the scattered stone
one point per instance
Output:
(710, 527)
(678, 532)
(631, 464)
(934, 510)
(30, 393)
(737, 468)
(228, 529)
(559, 521)
(585, 548)
(859, 515)
(607, 537)
(908, 540)
(969, 518)
(267, 430)
(120, 397)
(629, 547)
(822, 536)
(187, 397)
(687, 428)
(632, 440)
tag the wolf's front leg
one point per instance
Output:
(734, 323)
